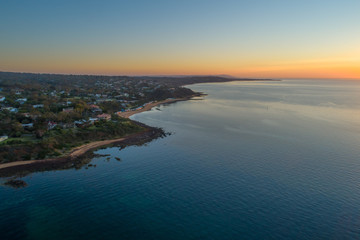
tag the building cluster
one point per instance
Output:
(50, 104)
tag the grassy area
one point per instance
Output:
(19, 140)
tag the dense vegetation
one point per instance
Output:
(59, 141)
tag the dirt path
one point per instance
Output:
(76, 152)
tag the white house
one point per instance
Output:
(3, 138)
(38, 106)
(21, 100)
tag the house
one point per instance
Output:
(104, 116)
(96, 110)
(92, 120)
(93, 106)
(27, 125)
(11, 109)
(68, 110)
(80, 123)
(51, 125)
(3, 138)
(21, 100)
(38, 106)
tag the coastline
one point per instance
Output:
(74, 153)
(11, 168)
(79, 156)
(149, 106)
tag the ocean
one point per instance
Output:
(251, 160)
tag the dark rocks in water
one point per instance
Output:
(100, 155)
(15, 183)
(117, 158)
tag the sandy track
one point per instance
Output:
(76, 152)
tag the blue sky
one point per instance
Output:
(200, 37)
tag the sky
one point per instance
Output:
(242, 38)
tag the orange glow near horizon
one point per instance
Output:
(323, 68)
(343, 63)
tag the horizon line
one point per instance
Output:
(180, 75)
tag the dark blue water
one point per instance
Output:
(260, 160)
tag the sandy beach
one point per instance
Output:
(149, 106)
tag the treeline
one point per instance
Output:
(164, 93)
(176, 81)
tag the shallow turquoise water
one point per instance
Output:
(252, 160)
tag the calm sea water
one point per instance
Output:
(252, 160)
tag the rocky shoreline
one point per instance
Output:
(80, 160)
(81, 156)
